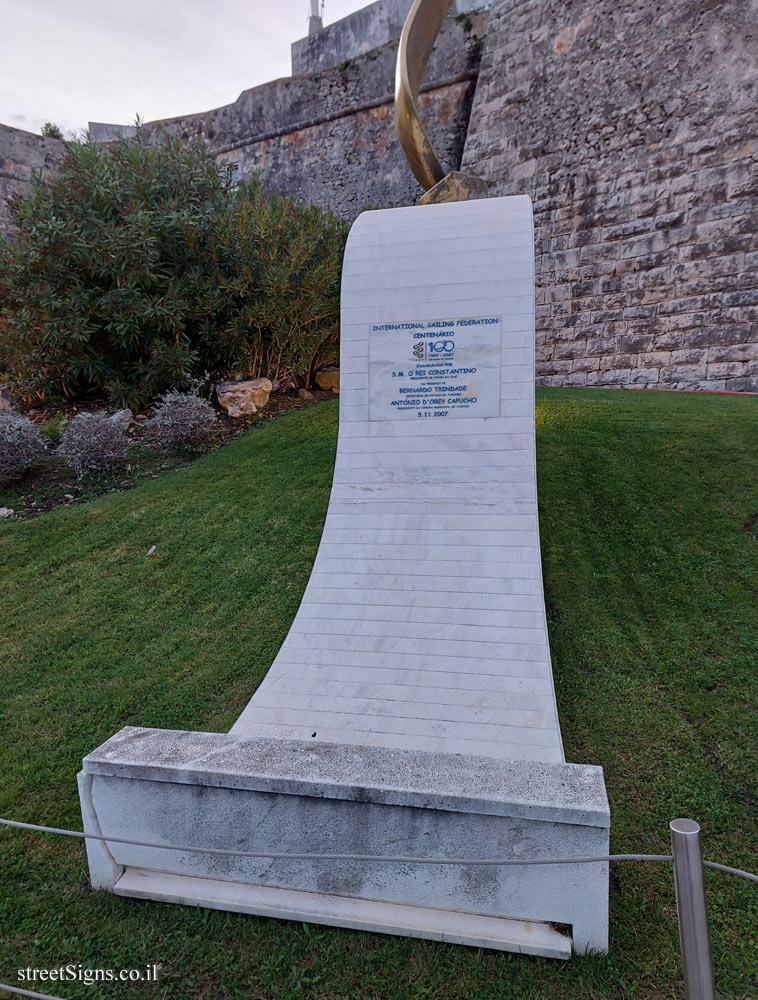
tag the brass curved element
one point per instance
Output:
(416, 42)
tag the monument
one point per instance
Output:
(410, 711)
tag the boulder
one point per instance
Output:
(241, 399)
(123, 417)
(328, 378)
(305, 394)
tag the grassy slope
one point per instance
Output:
(651, 565)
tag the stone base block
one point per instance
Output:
(213, 790)
(453, 926)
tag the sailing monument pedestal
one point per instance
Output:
(410, 710)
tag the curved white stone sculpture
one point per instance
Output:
(410, 709)
(423, 624)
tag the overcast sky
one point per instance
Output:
(75, 61)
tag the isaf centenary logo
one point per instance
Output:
(441, 346)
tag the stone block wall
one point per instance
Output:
(368, 28)
(632, 125)
(329, 137)
(21, 154)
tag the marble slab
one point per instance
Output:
(434, 502)
(412, 701)
(258, 794)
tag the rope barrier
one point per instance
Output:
(383, 858)
(730, 871)
(26, 993)
(315, 856)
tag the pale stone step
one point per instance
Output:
(524, 937)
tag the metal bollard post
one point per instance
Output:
(694, 936)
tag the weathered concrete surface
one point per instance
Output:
(22, 154)
(106, 132)
(249, 794)
(355, 35)
(524, 937)
(569, 793)
(633, 128)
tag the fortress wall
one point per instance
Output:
(326, 137)
(351, 36)
(360, 32)
(21, 153)
(329, 137)
(632, 126)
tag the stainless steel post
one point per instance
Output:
(694, 936)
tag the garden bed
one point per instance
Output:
(51, 483)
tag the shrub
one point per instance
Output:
(54, 428)
(182, 420)
(21, 444)
(51, 130)
(276, 267)
(98, 289)
(93, 444)
(140, 267)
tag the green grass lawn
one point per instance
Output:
(649, 518)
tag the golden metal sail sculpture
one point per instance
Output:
(420, 31)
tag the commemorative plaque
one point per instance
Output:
(435, 369)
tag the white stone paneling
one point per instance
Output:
(429, 563)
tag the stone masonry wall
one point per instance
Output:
(22, 153)
(357, 33)
(632, 125)
(329, 137)
(326, 137)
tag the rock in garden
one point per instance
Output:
(123, 417)
(6, 511)
(240, 399)
(304, 394)
(328, 378)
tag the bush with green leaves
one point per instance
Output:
(275, 267)
(141, 266)
(21, 444)
(99, 287)
(93, 444)
(53, 429)
(181, 420)
(51, 131)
